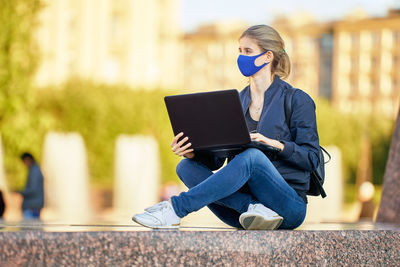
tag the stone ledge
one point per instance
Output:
(200, 248)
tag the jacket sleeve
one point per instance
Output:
(34, 182)
(302, 151)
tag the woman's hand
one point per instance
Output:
(261, 138)
(180, 150)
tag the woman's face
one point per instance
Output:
(249, 47)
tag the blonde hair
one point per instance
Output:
(268, 38)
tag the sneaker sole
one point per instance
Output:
(257, 222)
(156, 227)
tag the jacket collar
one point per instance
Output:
(270, 91)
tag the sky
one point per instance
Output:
(197, 12)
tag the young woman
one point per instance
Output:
(254, 190)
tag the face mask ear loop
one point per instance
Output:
(263, 53)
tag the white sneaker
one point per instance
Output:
(259, 217)
(161, 215)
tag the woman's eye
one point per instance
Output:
(245, 51)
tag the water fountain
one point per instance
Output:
(137, 173)
(65, 170)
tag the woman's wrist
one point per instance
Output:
(280, 145)
(189, 155)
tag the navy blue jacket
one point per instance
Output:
(33, 193)
(300, 155)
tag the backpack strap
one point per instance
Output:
(326, 152)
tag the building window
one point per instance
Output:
(326, 41)
(395, 62)
(353, 85)
(373, 84)
(374, 61)
(354, 40)
(375, 38)
(396, 37)
(354, 63)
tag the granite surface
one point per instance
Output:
(130, 245)
(389, 209)
(357, 248)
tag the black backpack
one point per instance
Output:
(317, 177)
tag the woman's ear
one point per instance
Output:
(269, 56)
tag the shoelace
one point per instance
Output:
(157, 207)
(251, 207)
(268, 212)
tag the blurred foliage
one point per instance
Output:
(350, 194)
(345, 131)
(18, 60)
(100, 113)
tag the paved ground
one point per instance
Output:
(124, 243)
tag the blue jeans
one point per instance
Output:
(31, 214)
(248, 178)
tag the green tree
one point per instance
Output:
(100, 113)
(18, 61)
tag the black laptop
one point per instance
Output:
(213, 121)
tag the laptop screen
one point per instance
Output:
(210, 119)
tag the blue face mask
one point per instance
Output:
(247, 66)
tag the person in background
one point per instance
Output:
(33, 192)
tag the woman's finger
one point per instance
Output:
(180, 149)
(186, 151)
(186, 146)
(176, 139)
(175, 148)
(254, 135)
(180, 143)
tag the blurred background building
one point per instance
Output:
(130, 42)
(353, 62)
(210, 55)
(366, 69)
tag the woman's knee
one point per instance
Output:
(191, 172)
(254, 152)
(182, 167)
(255, 156)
